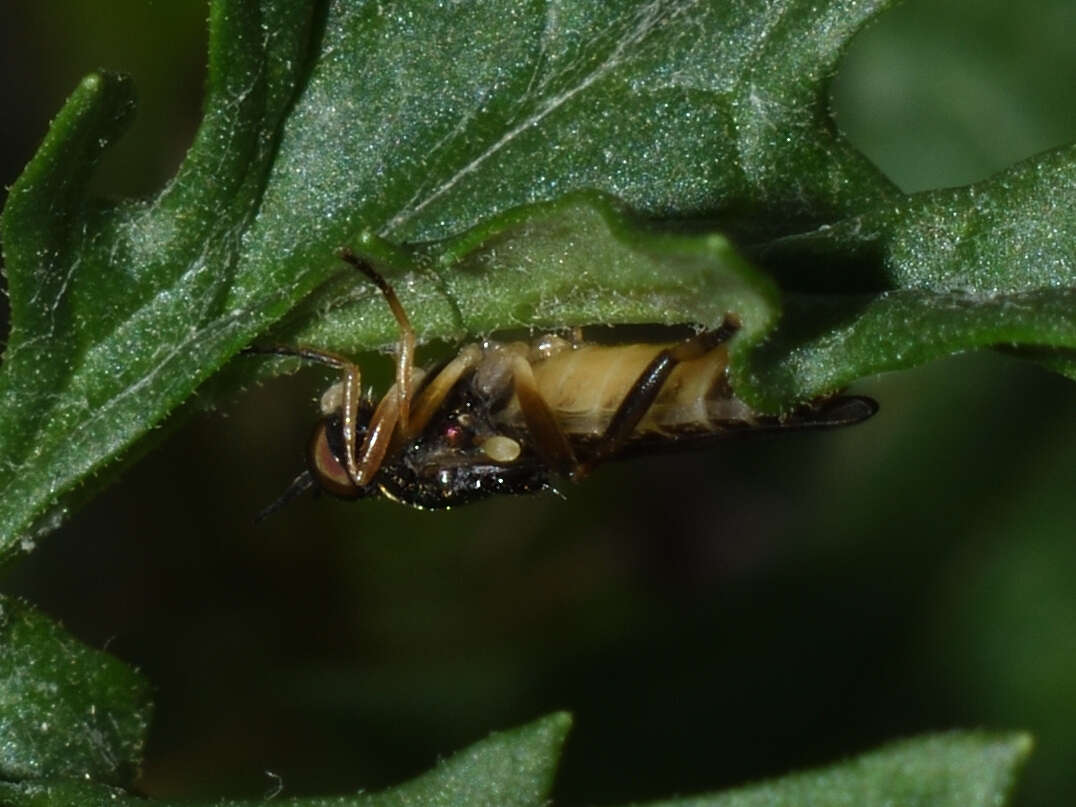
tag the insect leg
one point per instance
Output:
(351, 396)
(433, 394)
(318, 356)
(549, 439)
(378, 437)
(405, 353)
(645, 390)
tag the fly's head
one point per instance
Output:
(462, 455)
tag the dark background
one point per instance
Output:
(820, 594)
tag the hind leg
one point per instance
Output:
(645, 390)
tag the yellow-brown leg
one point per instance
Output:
(405, 351)
(549, 439)
(429, 400)
(378, 438)
(351, 394)
(361, 463)
(645, 390)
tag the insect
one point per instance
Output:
(510, 418)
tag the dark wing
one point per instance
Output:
(832, 413)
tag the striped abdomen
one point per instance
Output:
(585, 385)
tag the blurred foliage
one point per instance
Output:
(511, 769)
(516, 769)
(811, 597)
(69, 711)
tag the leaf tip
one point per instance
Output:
(1023, 744)
(556, 725)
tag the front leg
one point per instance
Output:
(405, 350)
(350, 395)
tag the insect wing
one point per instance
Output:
(832, 413)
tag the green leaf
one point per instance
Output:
(119, 310)
(951, 270)
(960, 769)
(581, 259)
(512, 769)
(64, 793)
(420, 125)
(67, 710)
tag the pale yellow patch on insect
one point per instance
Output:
(501, 449)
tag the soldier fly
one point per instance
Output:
(509, 418)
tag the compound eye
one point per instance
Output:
(327, 465)
(459, 431)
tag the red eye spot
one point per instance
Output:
(458, 432)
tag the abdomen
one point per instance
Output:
(585, 386)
